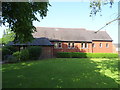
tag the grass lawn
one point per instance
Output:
(62, 73)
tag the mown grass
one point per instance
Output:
(62, 73)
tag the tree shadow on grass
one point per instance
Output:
(110, 67)
(85, 76)
(59, 73)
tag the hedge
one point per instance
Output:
(34, 52)
(86, 55)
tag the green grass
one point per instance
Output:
(62, 73)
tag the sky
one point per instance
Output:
(76, 15)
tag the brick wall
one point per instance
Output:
(47, 52)
(90, 49)
(77, 48)
(103, 49)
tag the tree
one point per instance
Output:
(7, 37)
(20, 17)
(96, 6)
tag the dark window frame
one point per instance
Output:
(59, 44)
(93, 45)
(71, 45)
(107, 45)
(100, 45)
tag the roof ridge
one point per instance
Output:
(71, 34)
(61, 28)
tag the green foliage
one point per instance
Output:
(7, 37)
(22, 55)
(12, 59)
(20, 17)
(71, 54)
(77, 54)
(96, 5)
(7, 50)
(34, 52)
(86, 55)
(102, 55)
(30, 53)
(17, 55)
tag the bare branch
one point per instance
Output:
(108, 24)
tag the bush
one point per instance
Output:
(71, 55)
(64, 54)
(11, 59)
(17, 55)
(102, 55)
(7, 50)
(22, 55)
(86, 55)
(34, 52)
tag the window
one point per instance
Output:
(55, 45)
(107, 45)
(100, 45)
(93, 45)
(59, 45)
(82, 45)
(86, 45)
(70, 45)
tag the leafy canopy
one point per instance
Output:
(7, 37)
(96, 5)
(20, 17)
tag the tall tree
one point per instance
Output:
(7, 36)
(20, 17)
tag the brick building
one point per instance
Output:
(55, 40)
(76, 40)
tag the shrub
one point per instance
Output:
(11, 59)
(86, 55)
(78, 55)
(34, 52)
(17, 55)
(22, 55)
(102, 55)
(71, 55)
(64, 54)
(7, 50)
